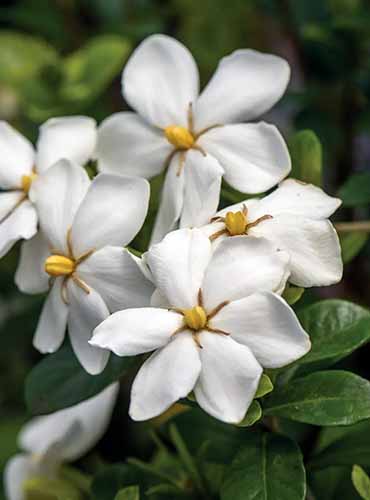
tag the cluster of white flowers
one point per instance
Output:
(206, 298)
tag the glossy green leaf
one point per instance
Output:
(336, 328)
(265, 386)
(306, 152)
(130, 493)
(356, 191)
(252, 416)
(352, 244)
(361, 482)
(322, 398)
(59, 381)
(268, 467)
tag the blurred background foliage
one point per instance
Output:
(65, 57)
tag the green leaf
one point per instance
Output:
(264, 387)
(336, 328)
(306, 152)
(252, 416)
(356, 191)
(114, 478)
(92, 68)
(268, 467)
(59, 381)
(322, 398)
(292, 294)
(166, 490)
(22, 57)
(352, 244)
(361, 482)
(130, 493)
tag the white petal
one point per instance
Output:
(57, 194)
(295, 197)
(268, 326)
(229, 377)
(86, 312)
(172, 199)
(92, 415)
(178, 264)
(313, 246)
(168, 375)
(245, 85)
(17, 470)
(173, 77)
(8, 202)
(241, 266)
(114, 273)
(128, 145)
(20, 224)
(135, 331)
(70, 137)
(51, 327)
(16, 157)
(253, 155)
(203, 176)
(31, 276)
(112, 212)
(249, 203)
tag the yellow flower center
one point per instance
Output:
(195, 318)
(180, 137)
(236, 223)
(27, 180)
(59, 265)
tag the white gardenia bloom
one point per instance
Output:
(84, 227)
(295, 218)
(71, 137)
(225, 321)
(200, 138)
(49, 441)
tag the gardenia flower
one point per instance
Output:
(295, 218)
(68, 137)
(49, 441)
(84, 227)
(224, 322)
(199, 138)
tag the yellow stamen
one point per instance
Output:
(236, 223)
(195, 318)
(180, 137)
(59, 265)
(27, 180)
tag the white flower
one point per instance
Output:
(84, 226)
(20, 164)
(199, 138)
(49, 441)
(224, 323)
(295, 218)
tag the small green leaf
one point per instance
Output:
(322, 398)
(264, 387)
(59, 381)
(268, 467)
(361, 482)
(352, 244)
(129, 493)
(306, 152)
(166, 490)
(356, 191)
(252, 416)
(292, 294)
(113, 478)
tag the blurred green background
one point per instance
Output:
(65, 57)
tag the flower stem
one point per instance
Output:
(347, 227)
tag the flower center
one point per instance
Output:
(195, 318)
(27, 180)
(236, 223)
(180, 137)
(59, 265)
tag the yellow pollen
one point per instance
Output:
(27, 180)
(195, 318)
(236, 223)
(59, 265)
(180, 137)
